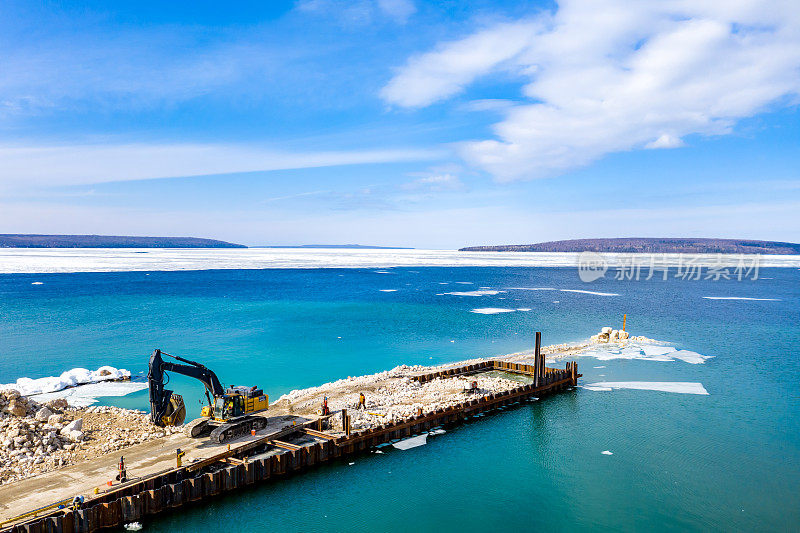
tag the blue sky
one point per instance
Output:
(400, 122)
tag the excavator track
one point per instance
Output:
(199, 427)
(237, 428)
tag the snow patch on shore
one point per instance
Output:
(70, 378)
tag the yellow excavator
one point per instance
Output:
(230, 412)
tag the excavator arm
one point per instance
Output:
(167, 408)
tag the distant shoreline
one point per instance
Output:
(21, 240)
(650, 245)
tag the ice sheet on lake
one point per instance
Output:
(679, 387)
(40, 260)
(413, 442)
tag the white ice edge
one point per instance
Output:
(45, 260)
(679, 387)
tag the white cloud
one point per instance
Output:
(84, 164)
(609, 76)
(666, 141)
(446, 71)
(399, 10)
(436, 183)
(359, 12)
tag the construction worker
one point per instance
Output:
(122, 476)
(325, 410)
(77, 502)
(362, 401)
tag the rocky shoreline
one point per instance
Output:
(37, 438)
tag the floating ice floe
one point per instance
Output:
(643, 352)
(742, 298)
(595, 293)
(472, 293)
(413, 442)
(679, 387)
(491, 310)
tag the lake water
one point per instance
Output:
(726, 461)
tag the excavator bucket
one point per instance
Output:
(176, 411)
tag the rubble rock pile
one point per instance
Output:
(37, 438)
(390, 395)
(608, 334)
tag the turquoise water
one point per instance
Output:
(727, 461)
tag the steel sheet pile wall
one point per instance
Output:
(189, 484)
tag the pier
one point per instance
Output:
(288, 445)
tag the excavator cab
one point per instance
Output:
(228, 413)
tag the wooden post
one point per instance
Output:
(624, 319)
(537, 360)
